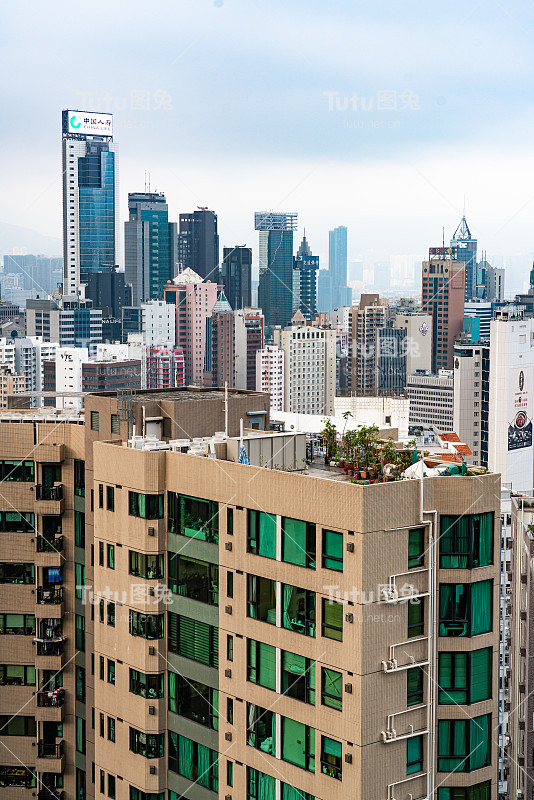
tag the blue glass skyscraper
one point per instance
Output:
(275, 291)
(149, 246)
(90, 202)
(465, 249)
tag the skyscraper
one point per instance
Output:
(465, 249)
(275, 291)
(443, 298)
(198, 243)
(337, 266)
(236, 272)
(149, 246)
(90, 202)
(305, 269)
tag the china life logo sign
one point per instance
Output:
(520, 427)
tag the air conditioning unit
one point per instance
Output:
(348, 758)
(349, 617)
(348, 688)
(350, 547)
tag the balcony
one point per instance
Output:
(43, 492)
(52, 699)
(49, 544)
(50, 647)
(49, 499)
(50, 757)
(52, 595)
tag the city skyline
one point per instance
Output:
(399, 160)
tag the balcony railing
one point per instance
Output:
(50, 596)
(49, 647)
(51, 699)
(50, 749)
(49, 544)
(43, 492)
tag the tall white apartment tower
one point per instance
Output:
(90, 196)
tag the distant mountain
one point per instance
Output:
(18, 240)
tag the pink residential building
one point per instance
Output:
(194, 299)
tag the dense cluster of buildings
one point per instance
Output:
(204, 596)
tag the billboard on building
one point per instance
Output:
(87, 123)
(520, 425)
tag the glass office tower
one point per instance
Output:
(275, 292)
(90, 197)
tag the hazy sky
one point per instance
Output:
(375, 115)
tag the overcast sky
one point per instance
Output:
(377, 115)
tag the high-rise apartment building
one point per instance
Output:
(238, 630)
(149, 246)
(431, 399)
(198, 244)
(219, 361)
(164, 367)
(236, 276)
(471, 397)
(90, 196)
(337, 267)
(492, 278)
(193, 300)
(364, 322)
(464, 249)
(249, 338)
(309, 368)
(443, 298)
(270, 374)
(275, 290)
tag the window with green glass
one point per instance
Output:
(79, 529)
(145, 506)
(18, 725)
(291, 793)
(20, 471)
(464, 745)
(465, 677)
(465, 609)
(331, 688)
(416, 617)
(110, 498)
(298, 677)
(298, 744)
(298, 542)
(261, 664)
(137, 794)
(17, 573)
(229, 773)
(15, 522)
(416, 548)
(194, 761)
(332, 626)
(414, 686)
(144, 685)
(261, 533)
(414, 754)
(298, 610)
(148, 745)
(79, 477)
(260, 786)
(333, 550)
(194, 700)
(79, 576)
(80, 684)
(190, 577)
(193, 639)
(261, 599)
(481, 791)
(80, 735)
(17, 624)
(80, 632)
(145, 565)
(111, 671)
(111, 729)
(466, 542)
(261, 728)
(331, 763)
(193, 517)
(148, 626)
(17, 675)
